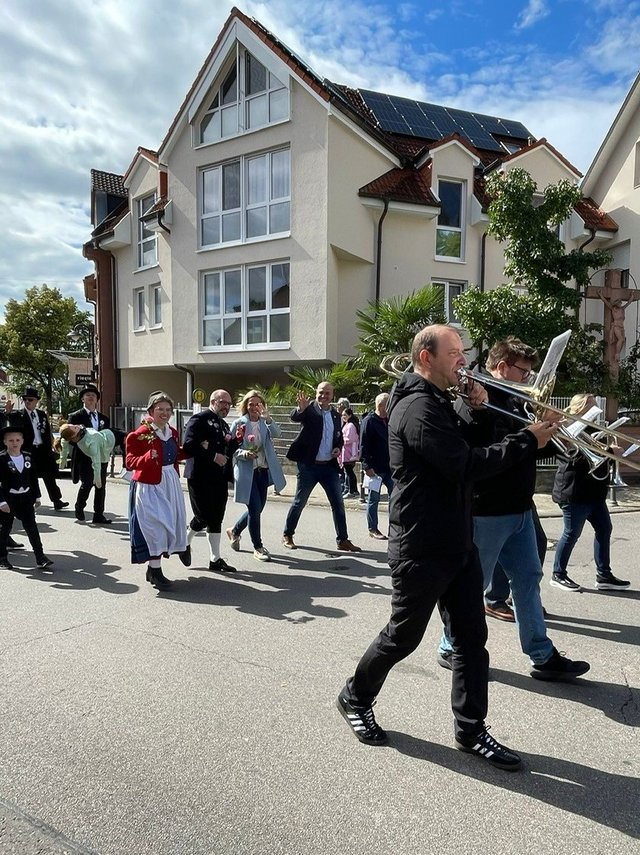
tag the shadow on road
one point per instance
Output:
(603, 797)
(621, 632)
(75, 570)
(292, 597)
(616, 701)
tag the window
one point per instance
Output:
(246, 307)
(155, 304)
(147, 242)
(450, 220)
(249, 97)
(451, 291)
(246, 198)
(138, 309)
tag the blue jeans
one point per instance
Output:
(497, 591)
(257, 501)
(374, 499)
(511, 540)
(575, 515)
(327, 475)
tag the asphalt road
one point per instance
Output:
(203, 720)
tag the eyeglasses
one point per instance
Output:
(223, 401)
(524, 372)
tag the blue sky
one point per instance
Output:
(85, 82)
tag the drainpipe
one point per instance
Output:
(161, 224)
(483, 259)
(379, 250)
(191, 381)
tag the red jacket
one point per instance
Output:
(138, 455)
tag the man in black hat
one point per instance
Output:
(81, 467)
(38, 441)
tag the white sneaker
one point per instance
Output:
(261, 554)
(235, 540)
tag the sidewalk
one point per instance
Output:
(628, 498)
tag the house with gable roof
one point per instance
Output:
(278, 204)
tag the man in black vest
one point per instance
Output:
(38, 441)
(81, 465)
(316, 450)
(209, 444)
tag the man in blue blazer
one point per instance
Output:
(316, 450)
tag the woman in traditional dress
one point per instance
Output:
(255, 467)
(157, 517)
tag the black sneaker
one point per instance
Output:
(564, 582)
(6, 564)
(80, 514)
(485, 746)
(362, 722)
(559, 668)
(13, 544)
(185, 556)
(221, 566)
(60, 506)
(444, 659)
(43, 562)
(611, 583)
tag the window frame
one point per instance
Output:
(461, 229)
(246, 314)
(155, 319)
(151, 236)
(139, 310)
(447, 285)
(217, 211)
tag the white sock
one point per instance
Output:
(214, 545)
(190, 535)
(155, 563)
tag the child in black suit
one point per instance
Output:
(18, 495)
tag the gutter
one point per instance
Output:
(379, 249)
(191, 381)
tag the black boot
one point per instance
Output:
(156, 577)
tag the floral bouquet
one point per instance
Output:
(148, 434)
(251, 444)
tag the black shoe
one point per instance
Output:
(485, 746)
(6, 564)
(80, 514)
(185, 556)
(611, 583)
(362, 722)
(157, 578)
(559, 668)
(558, 581)
(100, 520)
(60, 506)
(13, 544)
(221, 566)
(43, 562)
(444, 659)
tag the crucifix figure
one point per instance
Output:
(615, 299)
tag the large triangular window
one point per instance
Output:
(249, 96)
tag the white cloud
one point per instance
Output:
(535, 11)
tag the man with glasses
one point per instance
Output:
(315, 451)
(209, 446)
(38, 441)
(503, 524)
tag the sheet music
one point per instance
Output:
(576, 428)
(548, 369)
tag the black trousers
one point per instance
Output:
(86, 485)
(22, 509)
(454, 584)
(208, 501)
(47, 469)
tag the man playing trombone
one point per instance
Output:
(503, 524)
(431, 552)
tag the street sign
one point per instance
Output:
(82, 379)
(199, 396)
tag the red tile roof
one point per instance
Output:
(108, 182)
(403, 184)
(594, 217)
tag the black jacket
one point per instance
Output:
(45, 430)
(79, 460)
(11, 479)
(573, 483)
(200, 465)
(304, 448)
(374, 444)
(511, 491)
(434, 469)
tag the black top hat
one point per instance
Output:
(89, 388)
(30, 392)
(13, 424)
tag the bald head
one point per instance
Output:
(437, 354)
(220, 402)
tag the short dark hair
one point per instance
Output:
(427, 339)
(510, 350)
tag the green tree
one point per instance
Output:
(527, 223)
(33, 327)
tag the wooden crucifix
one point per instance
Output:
(615, 299)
